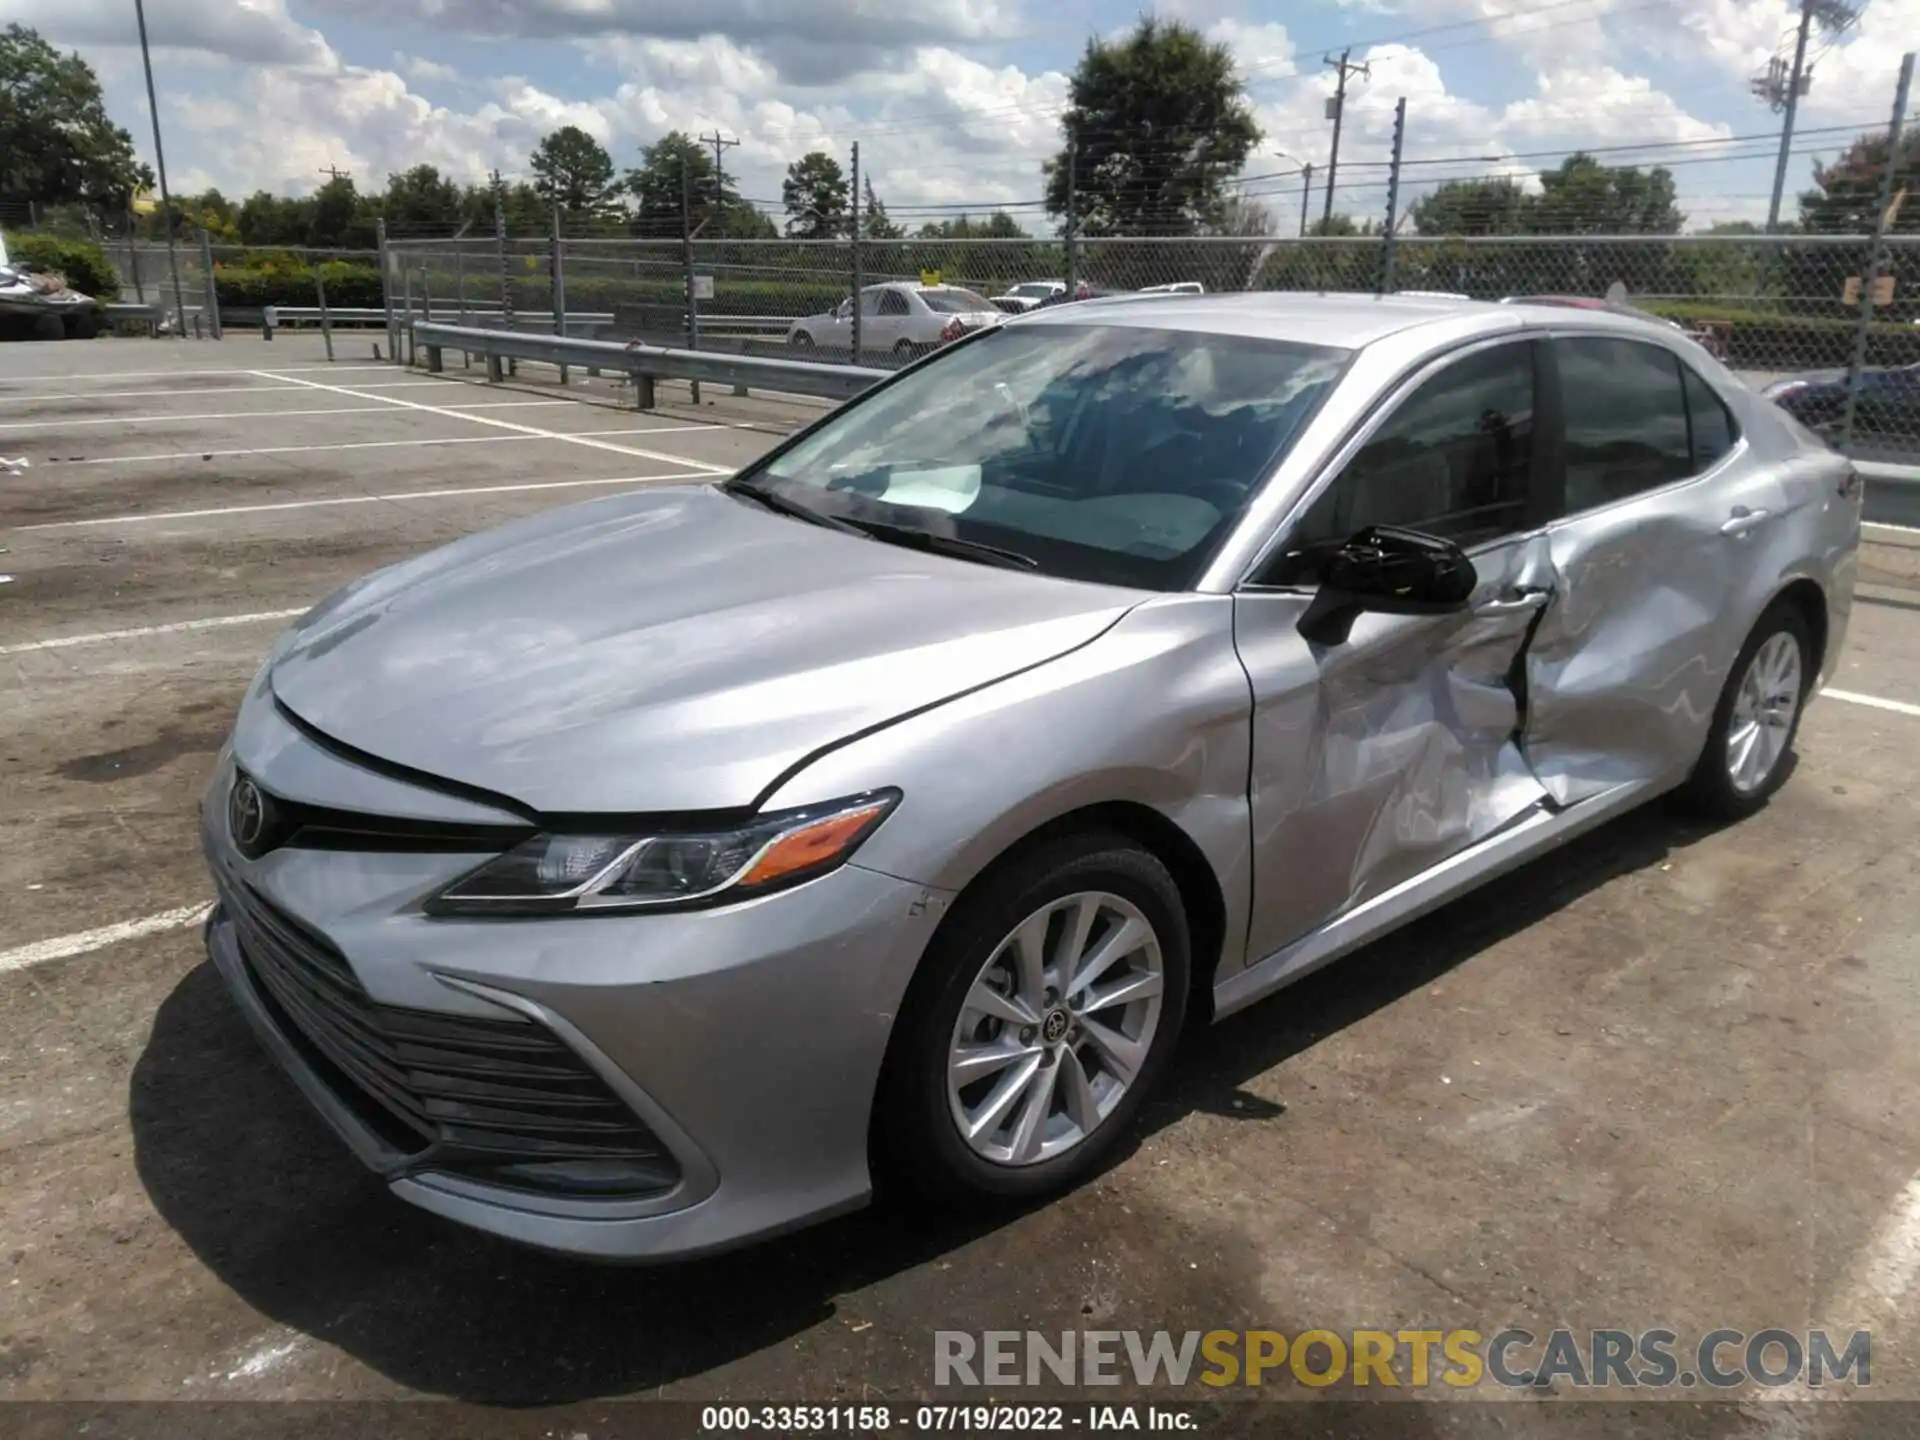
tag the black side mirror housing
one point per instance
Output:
(1389, 571)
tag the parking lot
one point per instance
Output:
(1664, 1078)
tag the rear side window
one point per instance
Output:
(1712, 424)
(892, 302)
(1626, 419)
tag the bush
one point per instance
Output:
(1762, 340)
(348, 285)
(84, 263)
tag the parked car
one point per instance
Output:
(897, 317)
(1888, 402)
(1176, 287)
(1082, 290)
(631, 879)
(37, 304)
(1026, 295)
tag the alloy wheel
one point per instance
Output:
(1055, 1028)
(1764, 709)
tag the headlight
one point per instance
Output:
(610, 872)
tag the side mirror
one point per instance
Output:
(1388, 571)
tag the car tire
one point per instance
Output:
(1716, 789)
(905, 349)
(801, 341)
(84, 326)
(47, 327)
(919, 1144)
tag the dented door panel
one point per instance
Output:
(1380, 757)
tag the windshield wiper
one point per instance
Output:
(781, 505)
(948, 545)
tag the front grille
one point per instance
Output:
(504, 1100)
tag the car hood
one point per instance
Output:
(670, 650)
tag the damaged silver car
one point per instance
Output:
(647, 875)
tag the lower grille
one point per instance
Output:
(503, 1100)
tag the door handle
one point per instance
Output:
(1744, 520)
(1512, 602)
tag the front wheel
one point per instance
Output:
(1756, 721)
(1044, 1016)
(801, 341)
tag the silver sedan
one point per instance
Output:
(646, 876)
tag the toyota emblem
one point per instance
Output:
(246, 815)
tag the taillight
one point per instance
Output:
(952, 330)
(1852, 486)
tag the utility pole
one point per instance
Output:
(1336, 109)
(1393, 198)
(1306, 198)
(160, 164)
(719, 143)
(1783, 84)
(334, 172)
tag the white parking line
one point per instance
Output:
(138, 519)
(393, 444)
(590, 443)
(1894, 529)
(173, 627)
(289, 388)
(56, 423)
(176, 374)
(79, 943)
(1898, 707)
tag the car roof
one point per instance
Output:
(1343, 321)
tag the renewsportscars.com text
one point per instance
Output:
(1512, 1358)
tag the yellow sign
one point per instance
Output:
(145, 203)
(1882, 290)
(929, 277)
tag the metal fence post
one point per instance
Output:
(855, 235)
(212, 301)
(1393, 198)
(406, 301)
(1869, 281)
(133, 260)
(326, 320)
(386, 287)
(557, 264)
(686, 249)
(460, 279)
(1072, 227)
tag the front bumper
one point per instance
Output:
(747, 1039)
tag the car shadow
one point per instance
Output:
(273, 1205)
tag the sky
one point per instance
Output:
(955, 103)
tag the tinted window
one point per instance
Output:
(1115, 453)
(1452, 461)
(954, 302)
(1626, 419)
(1713, 429)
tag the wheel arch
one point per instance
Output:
(1807, 597)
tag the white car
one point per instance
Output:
(1028, 294)
(1175, 287)
(33, 303)
(897, 317)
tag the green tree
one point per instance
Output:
(573, 170)
(57, 142)
(265, 219)
(1473, 207)
(875, 223)
(339, 215)
(717, 210)
(815, 195)
(1584, 197)
(997, 226)
(1156, 128)
(421, 201)
(1846, 192)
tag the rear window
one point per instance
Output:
(954, 302)
(1714, 430)
(1626, 419)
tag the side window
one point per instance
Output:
(892, 302)
(1454, 461)
(1626, 419)
(1712, 425)
(870, 302)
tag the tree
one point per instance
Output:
(1241, 215)
(337, 215)
(422, 201)
(655, 186)
(815, 195)
(573, 170)
(997, 226)
(1473, 207)
(1156, 128)
(875, 224)
(1584, 197)
(1846, 193)
(57, 142)
(266, 219)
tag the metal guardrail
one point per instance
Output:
(646, 364)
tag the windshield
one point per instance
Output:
(954, 302)
(1110, 453)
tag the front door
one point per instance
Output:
(1378, 757)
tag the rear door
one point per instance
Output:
(1655, 556)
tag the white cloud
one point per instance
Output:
(417, 67)
(259, 32)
